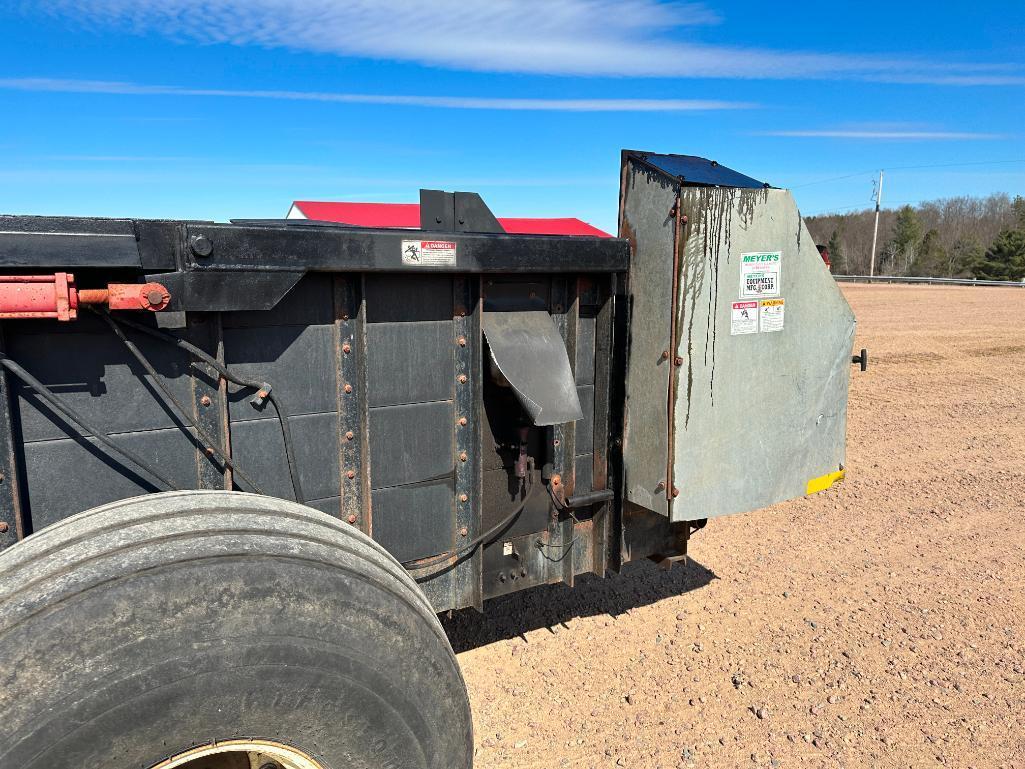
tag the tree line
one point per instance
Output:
(966, 236)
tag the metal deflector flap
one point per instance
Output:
(528, 351)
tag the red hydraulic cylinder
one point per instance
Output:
(56, 296)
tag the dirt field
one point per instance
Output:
(881, 623)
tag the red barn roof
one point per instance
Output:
(407, 215)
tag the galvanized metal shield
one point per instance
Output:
(756, 351)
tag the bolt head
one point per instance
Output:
(678, 361)
(665, 355)
(346, 348)
(660, 486)
(350, 474)
(463, 497)
(462, 341)
(676, 492)
(351, 519)
(463, 457)
(556, 480)
(205, 400)
(350, 435)
(3, 527)
(462, 421)
(463, 532)
(201, 245)
(154, 298)
(348, 388)
(462, 379)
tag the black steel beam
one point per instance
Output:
(72, 243)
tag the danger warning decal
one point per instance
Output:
(429, 253)
(759, 274)
(744, 318)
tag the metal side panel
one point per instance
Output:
(647, 198)
(761, 395)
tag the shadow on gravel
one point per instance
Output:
(639, 584)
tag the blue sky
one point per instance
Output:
(220, 108)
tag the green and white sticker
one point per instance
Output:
(759, 274)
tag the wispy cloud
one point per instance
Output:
(445, 102)
(888, 135)
(562, 37)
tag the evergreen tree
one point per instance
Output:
(836, 253)
(1005, 259)
(905, 240)
(931, 257)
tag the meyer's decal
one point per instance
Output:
(759, 274)
(429, 253)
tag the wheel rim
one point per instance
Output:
(241, 754)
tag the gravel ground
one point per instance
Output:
(879, 623)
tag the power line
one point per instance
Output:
(910, 168)
(828, 211)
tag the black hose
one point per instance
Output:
(446, 561)
(74, 417)
(202, 434)
(261, 387)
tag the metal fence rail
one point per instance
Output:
(928, 281)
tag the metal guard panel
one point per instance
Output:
(757, 415)
(530, 353)
(691, 170)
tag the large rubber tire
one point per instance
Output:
(134, 631)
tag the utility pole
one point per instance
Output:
(875, 232)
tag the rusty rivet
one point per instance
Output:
(462, 379)
(676, 492)
(349, 435)
(262, 394)
(463, 532)
(348, 388)
(462, 421)
(154, 298)
(345, 316)
(205, 400)
(556, 442)
(665, 355)
(351, 474)
(556, 480)
(209, 452)
(464, 497)
(346, 348)
(351, 519)
(3, 527)
(461, 341)
(463, 457)
(678, 361)
(684, 218)
(460, 311)
(660, 486)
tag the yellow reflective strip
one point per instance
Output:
(823, 482)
